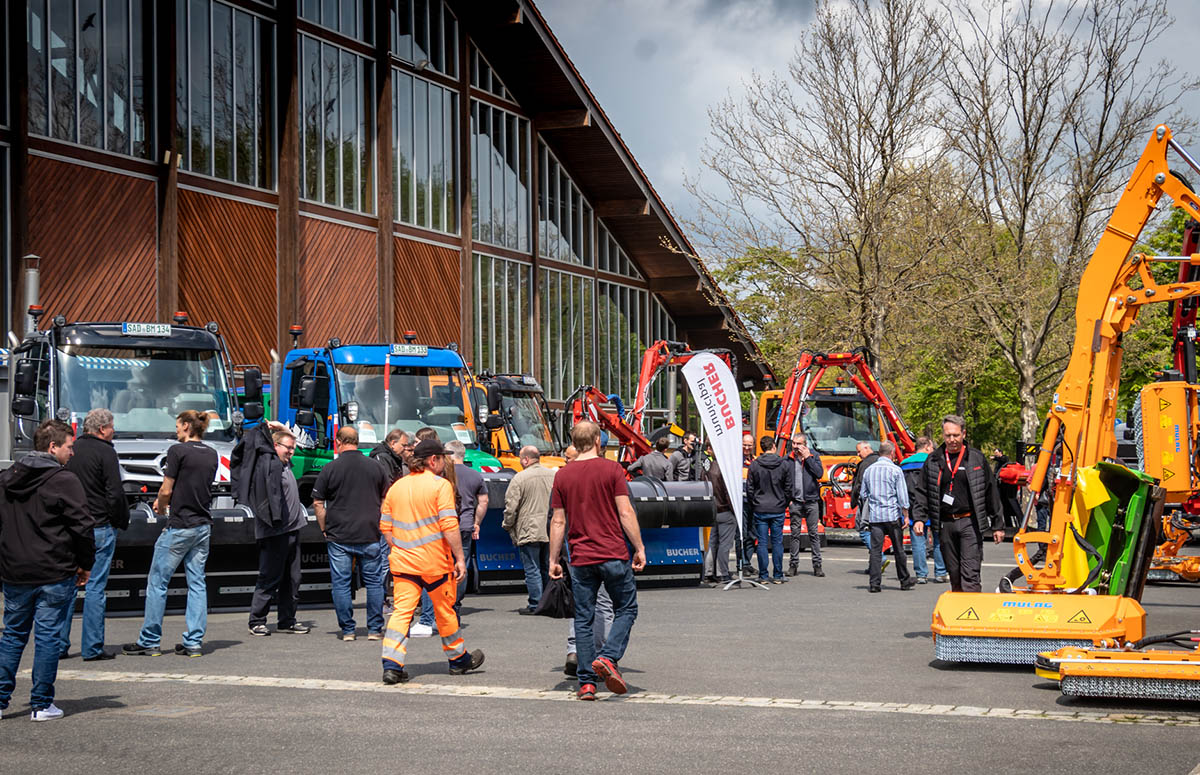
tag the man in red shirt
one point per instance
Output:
(593, 495)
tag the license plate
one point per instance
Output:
(411, 350)
(145, 329)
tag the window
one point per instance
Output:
(87, 73)
(503, 301)
(565, 316)
(564, 217)
(425, 33)
(611, 258)
(425, 120)
(485, 79)
(335, 127)
(661, 327)
(351, 18)
(622, 335)
(500, 201)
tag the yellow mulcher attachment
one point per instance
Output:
(1105, 517)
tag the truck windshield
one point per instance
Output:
(525, 412)
(415, 398)
(835, 427)
(145, 388)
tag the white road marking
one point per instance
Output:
(510, 693)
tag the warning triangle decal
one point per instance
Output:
(1163, 404)
(1167, 474)
(1079, 618)
(968, 615)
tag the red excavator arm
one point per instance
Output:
(657, 357)
(807, 374)
(586, 403)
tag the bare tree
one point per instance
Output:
(1049, 105)
(815, 167)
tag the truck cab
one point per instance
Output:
(517, 416)
(144, 373)
(375, 388)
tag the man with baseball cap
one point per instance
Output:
(420, 524)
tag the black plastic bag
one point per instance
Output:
(557, 602)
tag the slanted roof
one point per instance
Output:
(521, 47)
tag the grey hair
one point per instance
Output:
(886, 449)
(955, 419)
(97, 420)
(456, 448)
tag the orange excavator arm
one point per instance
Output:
(657, 357)
(1114, 287)
(587, 404)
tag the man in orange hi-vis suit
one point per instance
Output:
(420, 524)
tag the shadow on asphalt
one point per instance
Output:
(978, 667)
(1116, 705)
(217, 645)
(87, 704)
(919, 634)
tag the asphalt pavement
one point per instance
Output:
(815, 675)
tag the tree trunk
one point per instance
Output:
(1030, 421)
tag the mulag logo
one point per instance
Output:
(1023, 604)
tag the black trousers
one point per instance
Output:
(465, 535)
(278, 577)
(962, 549)
(747, 543)
(893, 531)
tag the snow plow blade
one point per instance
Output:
(1013, 629)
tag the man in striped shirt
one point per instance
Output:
(420, 524)
(885, 494)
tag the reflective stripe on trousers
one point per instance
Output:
(406, 597)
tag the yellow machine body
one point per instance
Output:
(1155, 674)
(1169, 426)
(1013, 628)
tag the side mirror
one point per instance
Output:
(305, 418)
(307, 398)
(25, 379)
(252, 410)
(24, 406)
(252, 385)
(493, 400)
(493, 422)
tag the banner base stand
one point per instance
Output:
(734, 582)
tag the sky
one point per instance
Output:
(657, 66)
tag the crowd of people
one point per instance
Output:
(406, 515)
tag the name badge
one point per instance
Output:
(948, 499)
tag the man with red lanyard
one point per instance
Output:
(957, 492)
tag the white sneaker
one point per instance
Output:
(48, 713)
(348, 636)
(419, 630)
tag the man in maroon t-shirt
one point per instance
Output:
(592, 494)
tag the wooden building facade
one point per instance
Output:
(360, 167)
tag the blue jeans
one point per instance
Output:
(176, 545)
(426, 617)
(920, 565)
(41, 610)
(939, 565)
(91, 641)
(769, 527)
(535, 558)
(616, 576)
(373, 560)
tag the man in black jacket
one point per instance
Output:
(46, 551)
(806, 505)
(769, 486)
(957, 493)
(391, 454)
(279, 551)
(96, 464)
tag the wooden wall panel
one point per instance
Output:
(96, 234)
(427, 291)
(337, 282)
(227, 271)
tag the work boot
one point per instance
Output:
(817, 570)
(571, 668)
(393, 677)
(794, 569)
(466, 662)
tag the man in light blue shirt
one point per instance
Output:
(885, 493)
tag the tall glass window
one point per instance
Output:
(500, 201)
(610, 257)
(565, 317)
(225, 92)
(336, 102)
(425, 33)
(484, 78)
(351, 18)
(622, 334)
(503, 303)
(425, 126)
(88, 73)
(661, 327)
(564, 216)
